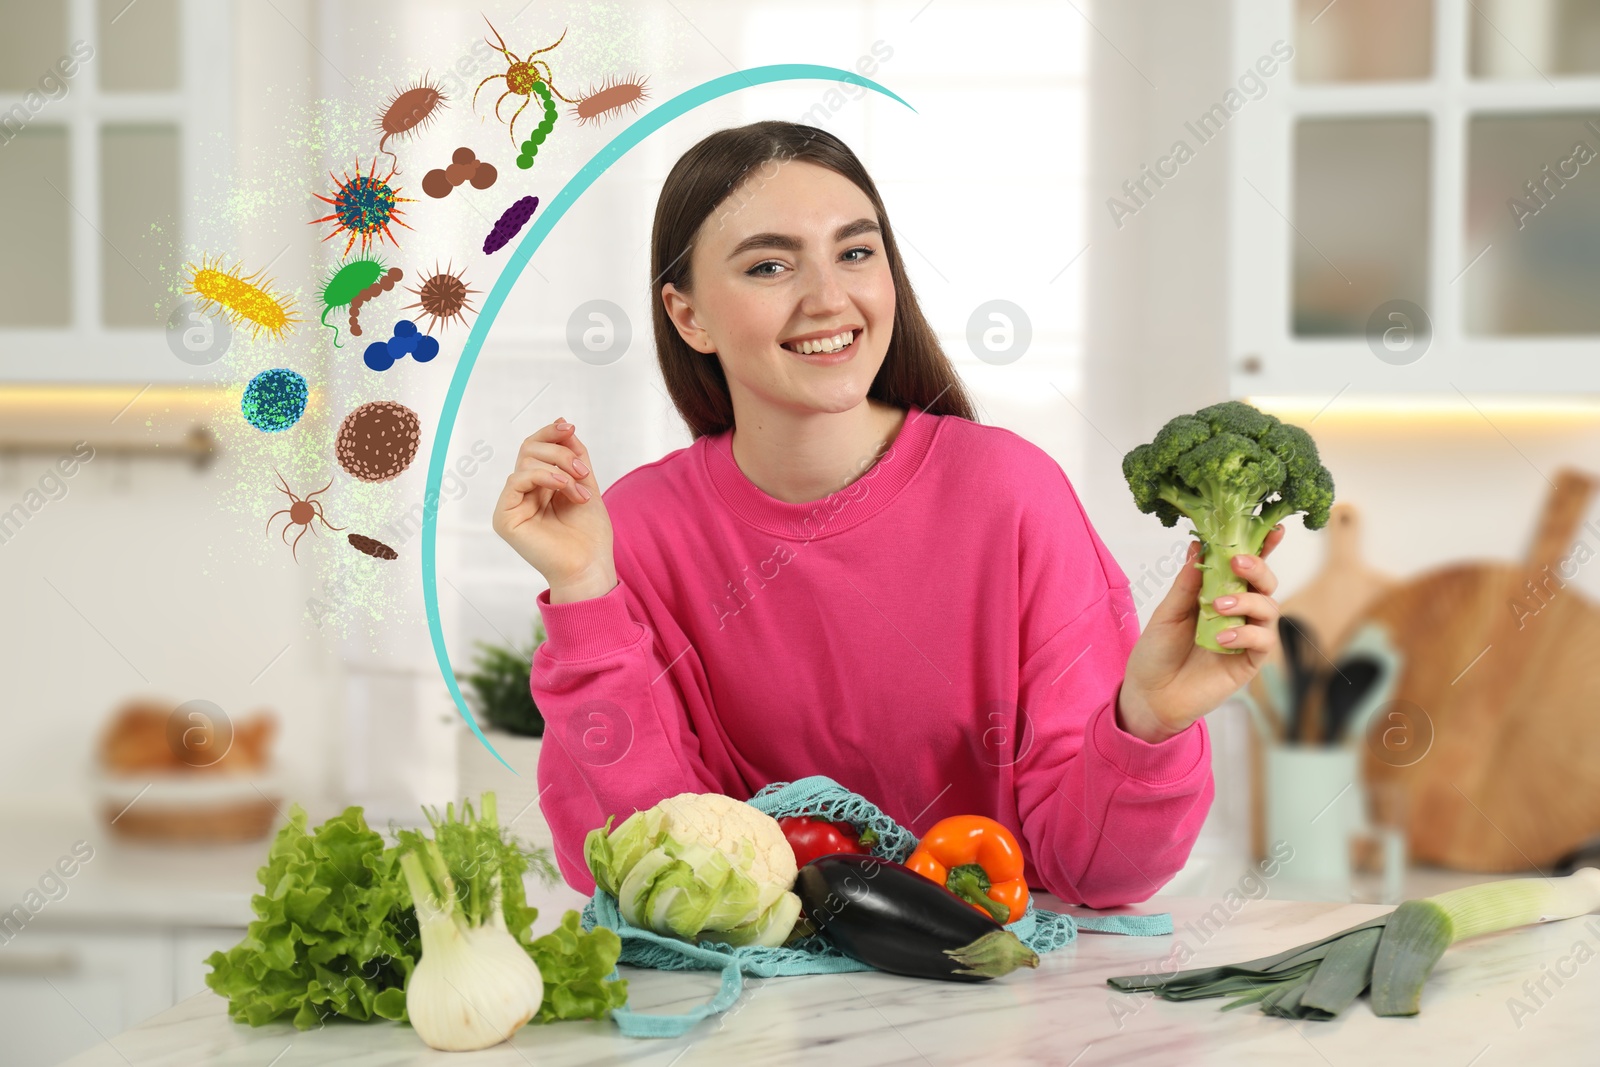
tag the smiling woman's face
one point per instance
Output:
(794, 254)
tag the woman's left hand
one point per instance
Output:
(1170, 680)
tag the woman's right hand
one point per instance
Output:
(550, 511)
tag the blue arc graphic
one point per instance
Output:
(546, 220)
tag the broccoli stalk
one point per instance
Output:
(1216, 468)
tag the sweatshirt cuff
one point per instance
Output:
(1163, 763)
(583, 629)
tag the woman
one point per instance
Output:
(845, 573)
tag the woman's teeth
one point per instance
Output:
(826, 344)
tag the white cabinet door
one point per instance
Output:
(62, 993)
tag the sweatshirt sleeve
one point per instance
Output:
(1108, 818)
(617, 735)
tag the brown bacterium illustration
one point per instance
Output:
(609, 100)
(443, 297)
(302, 512)
(382, 285)
(372, 546)
(465, 166)
(408, 111)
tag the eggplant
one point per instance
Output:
(890, 917)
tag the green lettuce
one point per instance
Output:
(335, 934)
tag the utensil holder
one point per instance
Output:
(1313, 798)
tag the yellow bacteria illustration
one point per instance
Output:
(242, 297)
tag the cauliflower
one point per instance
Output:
(699, 866)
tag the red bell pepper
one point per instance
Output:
(810, 838)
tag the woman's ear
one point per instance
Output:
(681, 312)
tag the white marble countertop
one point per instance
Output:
(1062, 1013)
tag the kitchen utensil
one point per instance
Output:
(1296, 654)
(1343, 693)
(1497, 700)
(1371, 640)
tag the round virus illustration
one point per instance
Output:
(364, 207)
(274, 400)
(378, 441)
(442, 296)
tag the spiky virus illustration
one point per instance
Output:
(364, 207)
(443, 297)
(242, 297)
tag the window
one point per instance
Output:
(1417, 209)
(111, 115)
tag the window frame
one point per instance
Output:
(201, 109)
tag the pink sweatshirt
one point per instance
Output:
(946, 635)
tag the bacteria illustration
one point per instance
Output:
(521, 77)
(408, 111)
(609, 100)
(442, 296)
(372, 547)
(364, 207)
(511, 221)
(274, 400)
(378, 440)
(242, 297)
(465, 166)
(381, 355)
(348, 288)
(302, 512)
(390, 278)
(530, 147)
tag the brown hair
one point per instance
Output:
(915, 369)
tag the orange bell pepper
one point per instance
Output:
(979, 861)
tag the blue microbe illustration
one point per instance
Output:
(274, 400)
(381, 355)
(377, 356)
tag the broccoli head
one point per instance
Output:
(1235, 473)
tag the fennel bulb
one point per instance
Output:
(475, 985)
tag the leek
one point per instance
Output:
(1392, 954)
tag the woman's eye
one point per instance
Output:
(758, 272)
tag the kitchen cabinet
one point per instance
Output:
(1412, 211)
(63, 991)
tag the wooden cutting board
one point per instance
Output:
(1328, 609)
(1497, 746)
